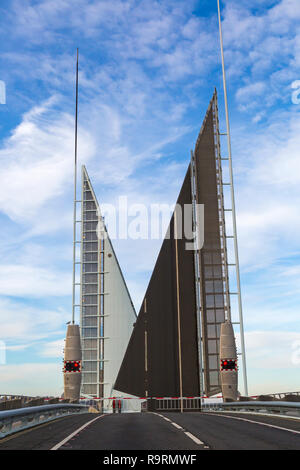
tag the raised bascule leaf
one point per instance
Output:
(163, 357)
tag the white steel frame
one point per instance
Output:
(233, 211)
(100, 338)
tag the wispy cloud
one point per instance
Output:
(21, 281)
(53, 348)
(268, 196)
(33, 379)
(261, 47)
(36, 161)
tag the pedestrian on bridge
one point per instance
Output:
(114, 405)
(120, 406)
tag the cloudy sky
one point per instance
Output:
(148, 69)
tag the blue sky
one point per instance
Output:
(147, 72)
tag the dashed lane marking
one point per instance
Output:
(194, 438)
(162, 416)
(188, 434)
(176, 425)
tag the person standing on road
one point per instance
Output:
(120, 405)
(114, 405)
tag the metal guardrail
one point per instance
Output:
(280, 396)
(22, 418)
(175, 404)
(277, 408)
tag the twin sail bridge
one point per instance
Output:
(182, 341)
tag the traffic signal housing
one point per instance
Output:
(229, 364)
(72, 366)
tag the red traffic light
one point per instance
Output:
(72, 366)
(228, 364)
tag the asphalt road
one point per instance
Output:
(45, 436)
(234, 431)
(160, 431)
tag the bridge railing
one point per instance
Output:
(269, 407)
(22, 418)
(283, 396)
(176, 404)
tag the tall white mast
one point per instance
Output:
(75, 201)
(233, 209)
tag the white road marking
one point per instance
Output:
(257, 422)
(162, 416)
(258, 413)
(188, 434)
(57, 446)
(194, 438)
(176, 425)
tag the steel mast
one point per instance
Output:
(75, 196)
(233, 208)
(72, 351)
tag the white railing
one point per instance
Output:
(22, 418)
(176, 404)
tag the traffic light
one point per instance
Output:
(72, 366)
(228, 364)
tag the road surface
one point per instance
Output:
(160, 431)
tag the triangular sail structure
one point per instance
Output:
(174, 347)
(107, 312)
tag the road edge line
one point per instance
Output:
(256, 422)
(64, 441)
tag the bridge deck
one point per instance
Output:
(163, 431)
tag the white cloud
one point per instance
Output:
(241, 28)
(17, 347)
(32, 379)
(36, 161)
(53, 348)
(248, 92)
(279, 162)
(261, 47)
(21, 324)
(267, 191)
(291, 271)
(271, 349)
(272, 361)
(284, 13)
(32, 281)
